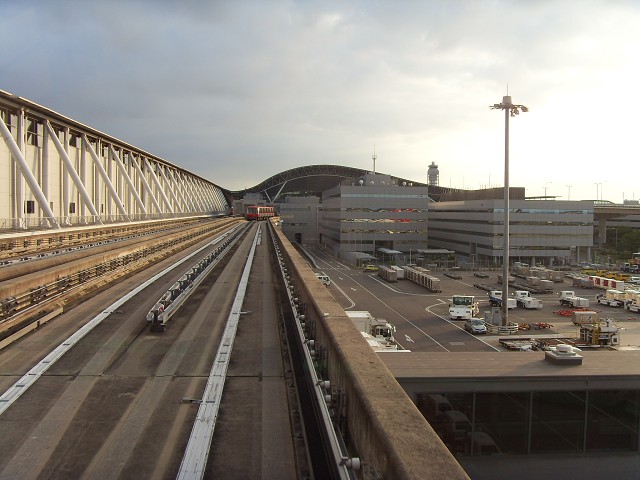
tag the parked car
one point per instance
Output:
(475, 326)
(369, 267)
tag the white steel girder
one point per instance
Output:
(192, 194)
(198, 194)
(127, 179)
(170, 187)
(103, 174)
(28, 175)
(72, 172)
(57, 172)
(145, 184)
(158, 185)
(178, 180)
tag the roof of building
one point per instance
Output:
(504, 371)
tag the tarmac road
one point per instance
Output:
(421, 317)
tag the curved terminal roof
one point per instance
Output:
(313, 180)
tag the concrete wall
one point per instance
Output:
(383, 427)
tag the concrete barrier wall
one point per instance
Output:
(383, 426)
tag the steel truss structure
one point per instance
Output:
(314, 179)
(56, 172)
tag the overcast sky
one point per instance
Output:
(238, 91)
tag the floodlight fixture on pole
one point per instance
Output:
(510, 110)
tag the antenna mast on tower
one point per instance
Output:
(374, 156)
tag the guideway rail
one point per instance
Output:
(180, 291)
(194, 461)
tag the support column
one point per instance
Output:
(18, 176)
(602, 232)
(66, 190)
(28, 175)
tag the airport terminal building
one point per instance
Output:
(374, 211)
(552, 232)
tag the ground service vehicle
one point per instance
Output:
(378, 328)
(483, 444)
(568, 298)
(260, 212)
(388, 274)
(475, 326)
(525, 300)
(326, 281)
(585, 317)
(633, 306)
(632, 265)
(456, 426)
(422, 276)
(433, 406)
(612, 298)
(463, 307)
(495, 300)
(632, 300)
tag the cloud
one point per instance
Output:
(239, 91)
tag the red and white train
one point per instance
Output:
(259, 212)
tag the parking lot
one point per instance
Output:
(551, 313)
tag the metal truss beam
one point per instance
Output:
(72, 173)
(103, 174)
(123, 171)
(43, 203)
(158, 186)
(145, 183)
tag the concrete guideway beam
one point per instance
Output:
(43, 203)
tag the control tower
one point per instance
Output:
(433, 175)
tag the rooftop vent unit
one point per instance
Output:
(563, 355)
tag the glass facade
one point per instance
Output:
(530, 423)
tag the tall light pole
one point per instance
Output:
(510, 110)
(545, 189)
(597, 190)
(569, 196)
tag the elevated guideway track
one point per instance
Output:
(29, 291)
(112, 406)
